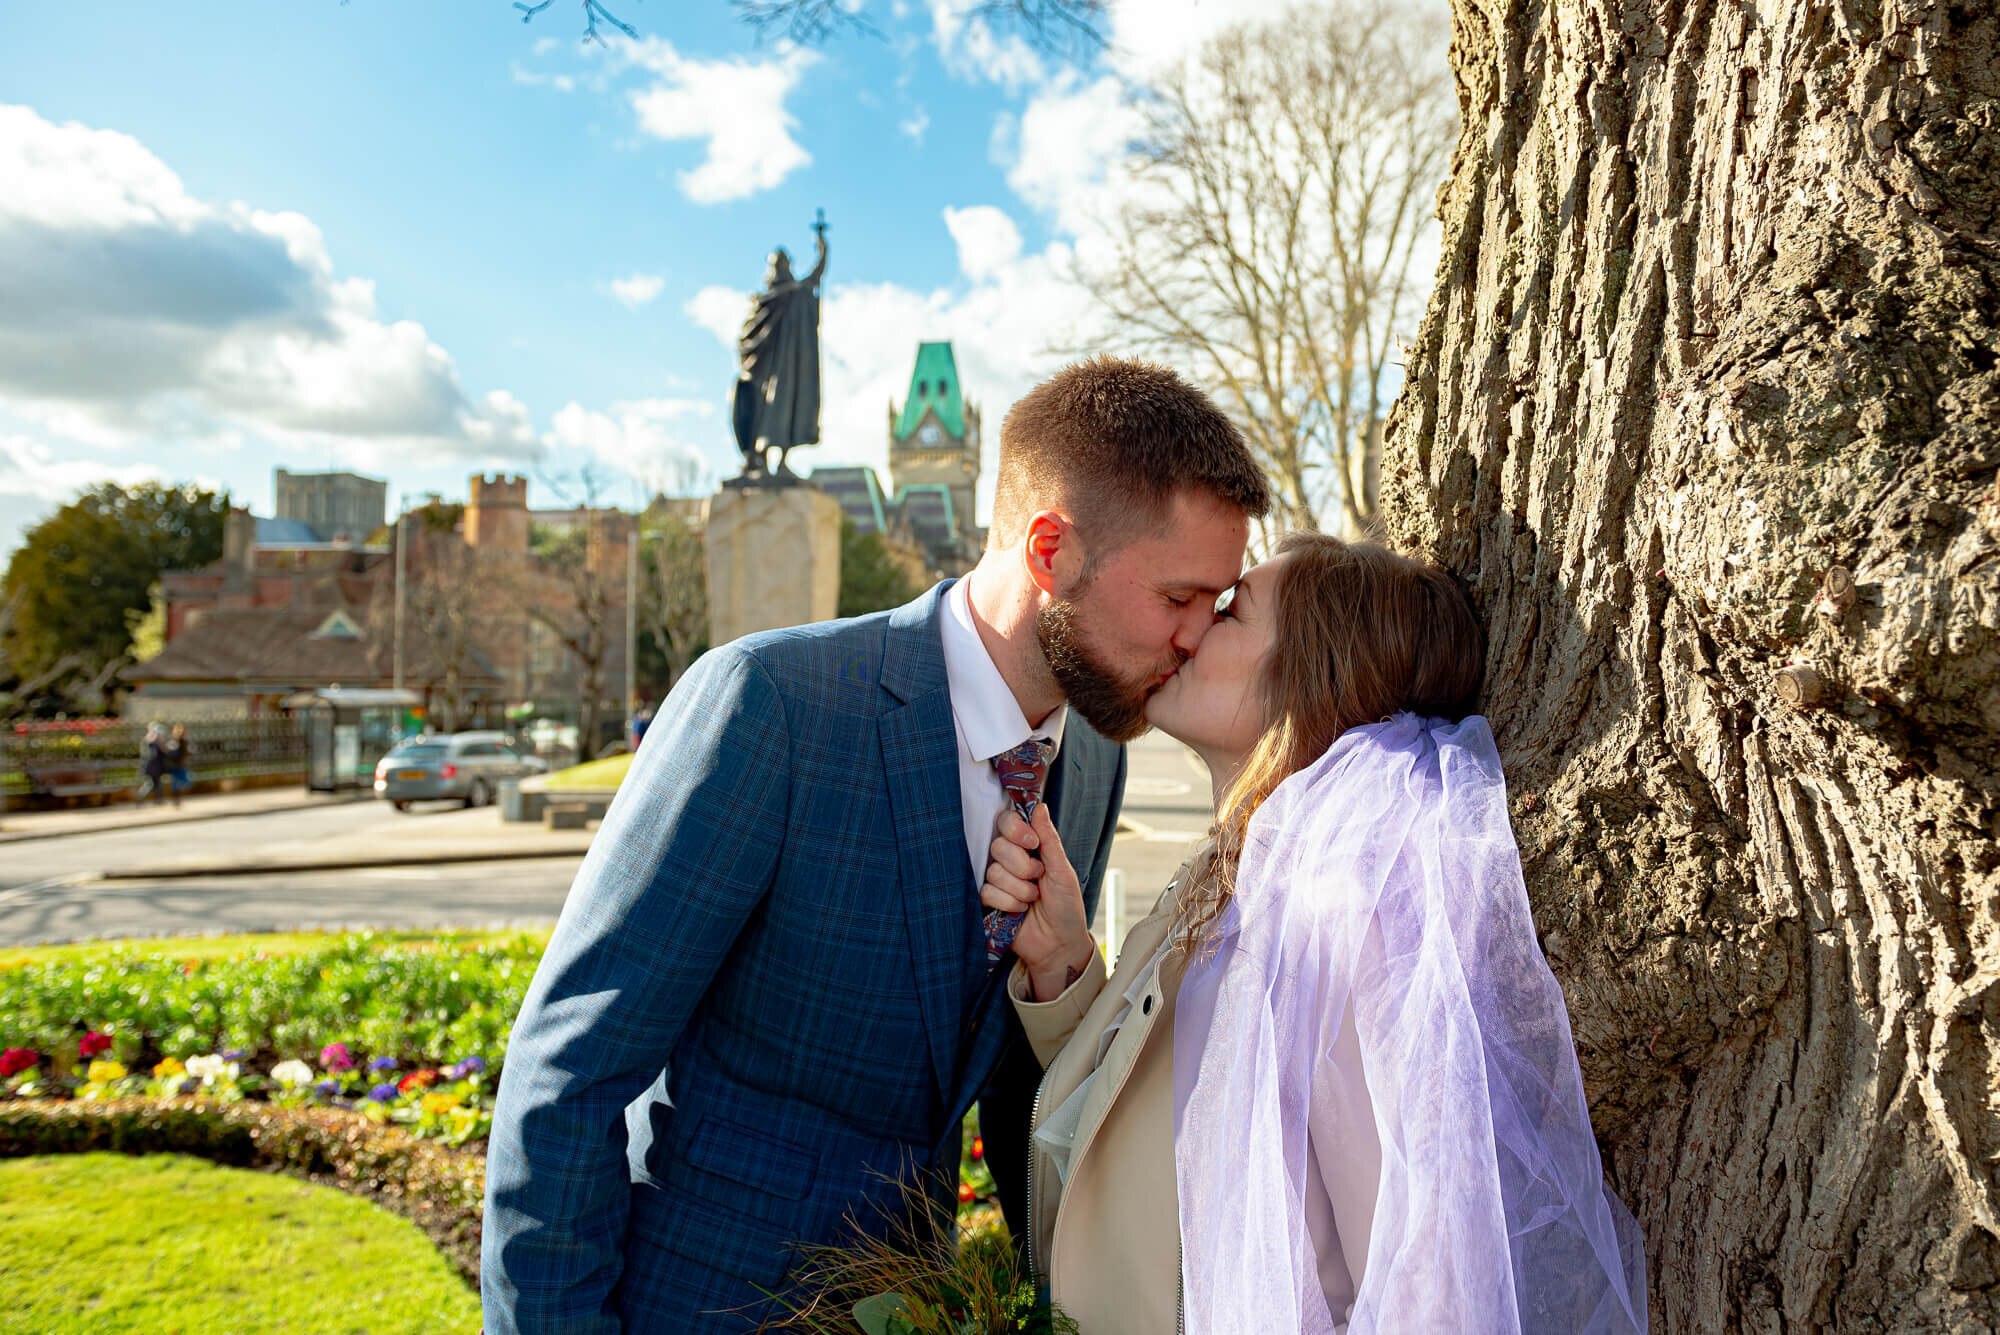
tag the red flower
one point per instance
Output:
(978, 1147)
(91, 1044)
(965, 1193)
(417, 1080)
(16, 1060)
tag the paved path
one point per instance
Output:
(466, 894)
(264, 872)
(1166, 814)
(20, 826)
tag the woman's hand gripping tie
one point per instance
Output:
(1029, 873)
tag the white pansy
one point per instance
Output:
(210, 1069)
(292, 1074)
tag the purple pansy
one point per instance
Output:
(382, 1064)
(385, 1092)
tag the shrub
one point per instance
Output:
(423, 1003)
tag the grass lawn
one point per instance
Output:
(606, 774)
(233, 947)
(119, 1245)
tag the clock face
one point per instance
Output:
(930, 434)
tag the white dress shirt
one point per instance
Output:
(988, 720)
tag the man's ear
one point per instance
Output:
(1052, 553)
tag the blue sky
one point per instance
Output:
(421, 241)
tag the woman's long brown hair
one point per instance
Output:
(1362, 633)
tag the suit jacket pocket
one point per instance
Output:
(721, 1239)
(773, 1166)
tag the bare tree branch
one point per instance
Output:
(673, 593)
(1059, 27)
(1272, 246)
(593, 14)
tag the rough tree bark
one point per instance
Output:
(1719, 311)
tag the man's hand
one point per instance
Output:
(1029, 873)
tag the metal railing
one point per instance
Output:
(103, 755)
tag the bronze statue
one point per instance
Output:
(777, 388)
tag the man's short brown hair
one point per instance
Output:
(1109, 441)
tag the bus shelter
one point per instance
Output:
(347, 730)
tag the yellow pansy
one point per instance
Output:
(168, 1069)
(434, 1104)
(103, 1073)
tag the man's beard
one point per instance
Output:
(1112, 705)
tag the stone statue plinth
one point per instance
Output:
(773, 559)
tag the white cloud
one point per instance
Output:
(562, 83)
(1066, 146)
(29, 467)
(544, 45)
(917, 122)
(1148, 38)
(987, 239)
(736, 106)
(132, 311)
(635, 290)
(635, 438)
(720, 310)
(970, 48)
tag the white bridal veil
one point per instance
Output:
(1385, 876)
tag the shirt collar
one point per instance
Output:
(989, 718)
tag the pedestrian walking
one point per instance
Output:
(177, 753)
(153, 763)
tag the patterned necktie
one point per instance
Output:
(1021, 772)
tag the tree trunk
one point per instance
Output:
(1716, 313)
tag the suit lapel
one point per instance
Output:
(920, 757)
(930, 843)
(1066, 792)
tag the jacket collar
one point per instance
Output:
(913, 657)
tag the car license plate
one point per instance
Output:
(411, 774)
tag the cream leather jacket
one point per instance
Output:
(1106, 1237)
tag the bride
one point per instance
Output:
(1331, 1086)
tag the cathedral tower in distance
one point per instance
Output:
(934, 443)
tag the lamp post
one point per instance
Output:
(631, 628)
(402, 571)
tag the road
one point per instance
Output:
(48, 890)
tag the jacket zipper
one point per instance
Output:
(1180, 1281)
(1034, 1120)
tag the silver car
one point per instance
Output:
(465, 767)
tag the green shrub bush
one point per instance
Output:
(422, 1003)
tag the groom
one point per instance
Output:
(771, 997)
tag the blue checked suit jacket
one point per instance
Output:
(766, 1002)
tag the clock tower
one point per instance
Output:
(934, 443)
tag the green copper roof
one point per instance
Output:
(934, 384)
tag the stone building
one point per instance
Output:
(332, 505)
(282, 612)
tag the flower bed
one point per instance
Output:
(401, 1032)
(357, 1060)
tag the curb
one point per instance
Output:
(315, 804)
(192, 870)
